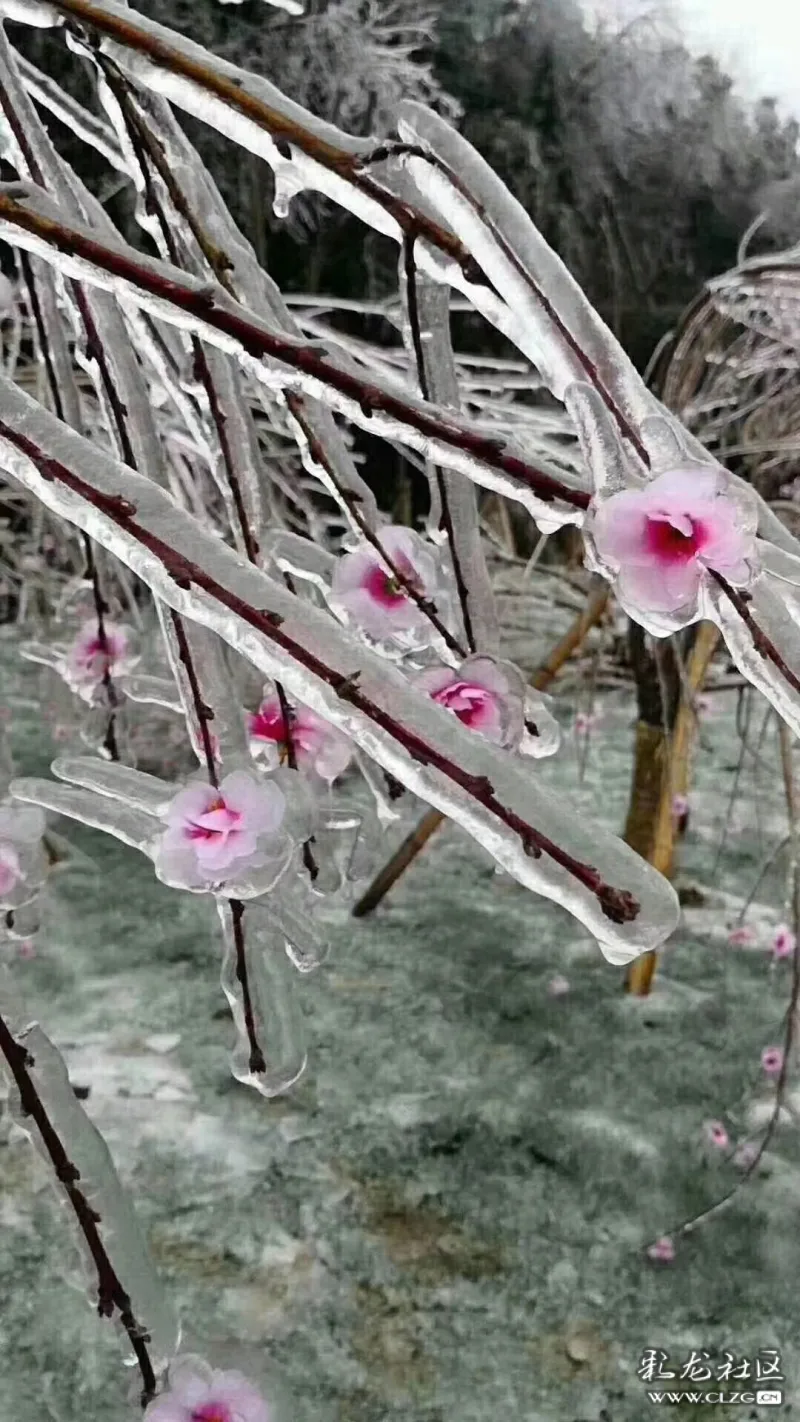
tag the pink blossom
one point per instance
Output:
(716, 1134)
(480, 695)
(558, 986)
(317, 746)
(772, 1061)
(662, 540)
(10, 870)
(662, 1251)
(741, 936)
(210, 831)
(783, 942)
(91, 656)
(27, 948)
(367, 589)
(202, 1395)
(23, 866)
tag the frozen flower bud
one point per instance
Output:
(318, 747)
(373, 595)
(660, 542)
(92, 655)
(23, 866)
(783, 942)
(485, 696)
(213, 834)
(742, 936)
(716, 1135)
(10, 871)
(772, 1061)
(662, 1251)
(198, 1393)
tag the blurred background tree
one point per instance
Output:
(637, 160)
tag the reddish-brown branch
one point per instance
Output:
(203, 713)
(619, 905)
(762, 643)
(256, 1061)
(111, 1296)
(258, 342)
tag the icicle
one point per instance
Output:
(274, 1011)
(427, 321)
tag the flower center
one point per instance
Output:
(212, 1412)
(674, 542)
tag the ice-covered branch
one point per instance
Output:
(427, 313)
(47, 1108)
(622, 900)
(27, 220)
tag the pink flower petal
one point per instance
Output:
(662, 1251)
(660, 541)
(772, 1061)
(716, 1134)
(261, 805)
(783, 943)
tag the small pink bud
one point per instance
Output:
(772, 1061)
(662, 1251)
(741, 936)
(10, 870)
(716, 1135)
(27, 948)
(558, 986)
(783, 942)
(680, 807)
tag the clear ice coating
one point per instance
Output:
(270, 1049)
(417, 742)
(119, 1229)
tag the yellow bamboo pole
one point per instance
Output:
(662, 770)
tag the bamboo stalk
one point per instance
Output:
(662, 769)
(412, 845)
